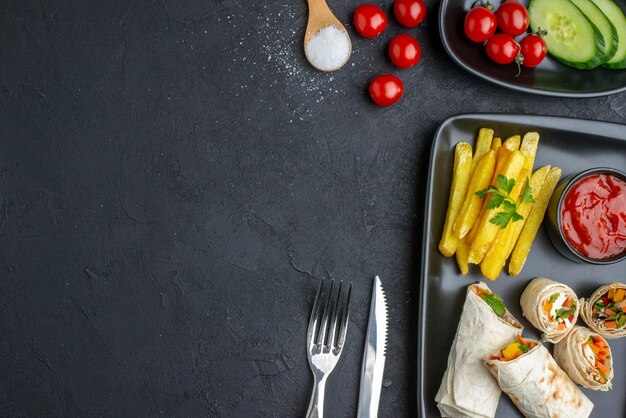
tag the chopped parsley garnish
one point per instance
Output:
(501, 197)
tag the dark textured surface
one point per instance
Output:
(175, 180)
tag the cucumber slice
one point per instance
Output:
(572, 38)
(616, 16)
(602, 23)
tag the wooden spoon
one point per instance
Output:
(320, 17)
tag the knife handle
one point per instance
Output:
(316, 406)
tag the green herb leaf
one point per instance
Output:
(503, 182)
(502, 219)
(495, 303)
(554, 297)
(495, 201)
(524, 348)
(485, 192)
(502, 197)
(599, 305)
(527, 194)
(510, 186)
(509, 206)
(516, 217)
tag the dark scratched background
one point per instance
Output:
(175, 180)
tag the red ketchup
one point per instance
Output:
(593, 216)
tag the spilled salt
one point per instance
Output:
(328, 49)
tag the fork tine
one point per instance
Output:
(313, 321)
(323, 328)
(344, 320)
(335, 317)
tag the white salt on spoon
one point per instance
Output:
(327, 45)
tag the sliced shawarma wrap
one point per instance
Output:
(467, 389)
(551, 307)
(526, 372)
(605, 311)
(586, 357)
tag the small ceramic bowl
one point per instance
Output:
(553, 217)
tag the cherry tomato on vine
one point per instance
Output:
(386, 89)
(404, 51)
(512, 18)
(503, 49)
(409, 13)
(480, 23)
(533, 49)
(369, 20)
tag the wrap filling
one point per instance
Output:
(515, 349)
(610, 309)
(560, 308)
(597, 357)
(494, 301)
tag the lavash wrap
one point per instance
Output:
(467, 388)
(536, 293)
(537, 385)
(568, 353)
(587, 312)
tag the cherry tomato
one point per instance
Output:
(409, 13)
(512, 18)
(533, 49)
(502, 48)
(386, 89)
(369, 20)
(404, 51)
(480, 24)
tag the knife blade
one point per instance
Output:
(374, 354)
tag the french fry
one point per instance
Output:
(502, 245)
(462, 253)
(512, 142)
(502, 156)
(471, 204)
(483, 145)
(496, 143)
(529, 148)
(530, 228)
(458, 190)
(469, 238)
(487, 231)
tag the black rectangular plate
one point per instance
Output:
(572, 144)
(550, 78)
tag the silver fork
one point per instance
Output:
(325, 340)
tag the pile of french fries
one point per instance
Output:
(468, 231)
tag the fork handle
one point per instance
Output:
(316, 406)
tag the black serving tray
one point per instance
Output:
(572, 144)
(550, 78)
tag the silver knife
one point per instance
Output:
(374, 354)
